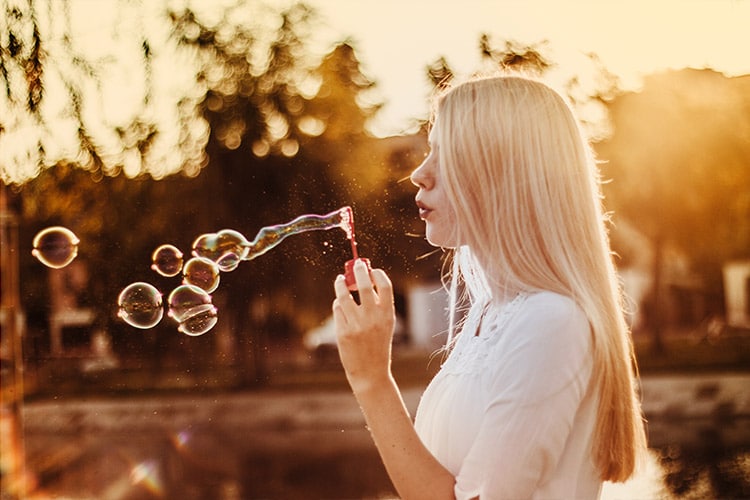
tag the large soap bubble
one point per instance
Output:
(140, 305)
(192, 308)
(201, 320)
(186, 301)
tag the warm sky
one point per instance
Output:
(396, 39)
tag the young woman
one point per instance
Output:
(536, 398)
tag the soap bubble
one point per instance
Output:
(140, 305)
(55, 247)
(227, 248)
(187, 301)
(228, 262)
(201, 320)
(206, 246)
(203, 273)
(232, 247)
(167, 260)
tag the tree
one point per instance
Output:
(102, 106)
(678, 160)
(341, 106)
(515, 56)
(252, 91)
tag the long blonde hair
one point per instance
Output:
(526, 191)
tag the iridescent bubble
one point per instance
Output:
(203, 273)
(270, 236)
(206, 246)
(167, 260)
(201, 320)
(228, 262)
(140, 305)
(186, 301)
(55, 247)
(232, 247)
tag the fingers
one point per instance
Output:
(374, 287)
(365, 287)
(339, 318)
(383, 285)
(339, 285)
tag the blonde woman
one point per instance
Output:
(536, 398)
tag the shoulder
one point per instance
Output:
(552, 317)
(553, 306)
(547, 344)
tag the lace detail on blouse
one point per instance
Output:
(480, 333)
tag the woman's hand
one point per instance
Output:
(364, 331)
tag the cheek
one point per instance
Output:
(442, 230)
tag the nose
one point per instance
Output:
(420, 176)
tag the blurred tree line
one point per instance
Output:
(284, 136)
(679, 161)
(266, 133)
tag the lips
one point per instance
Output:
(424, 210)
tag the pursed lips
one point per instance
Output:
(424, 210)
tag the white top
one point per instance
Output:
(511, 412)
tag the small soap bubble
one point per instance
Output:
(55, 247)
(186, 301)
(228, 262)
(140, 305)
(203, 273)
(167, 260)
(202, 318)
(232, 248)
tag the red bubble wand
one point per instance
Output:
(347, 225)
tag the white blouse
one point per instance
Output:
(511, 413)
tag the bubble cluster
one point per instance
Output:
(190, 303)
(55, 247)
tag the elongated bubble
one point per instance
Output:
(140, 305)
(270, 236)
(55, 247)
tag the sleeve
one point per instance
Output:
(539, 380)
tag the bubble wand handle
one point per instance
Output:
(350, 280)
(348, 225)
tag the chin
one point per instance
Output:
(441, 241)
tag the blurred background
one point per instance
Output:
(136, 124)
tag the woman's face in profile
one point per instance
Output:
(434, 206)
